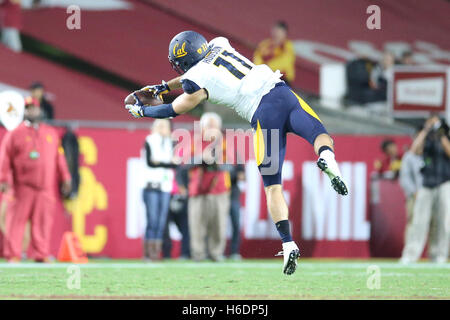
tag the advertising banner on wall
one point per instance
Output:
(419, 91)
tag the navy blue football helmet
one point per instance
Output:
(186, 49)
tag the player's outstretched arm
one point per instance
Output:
(180, 105)
(174, 83)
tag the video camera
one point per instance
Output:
(441, 128)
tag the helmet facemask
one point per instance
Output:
(176, 66)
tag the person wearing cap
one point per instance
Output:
(37, 91)
(32, 163)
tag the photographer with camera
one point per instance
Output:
(432, 205)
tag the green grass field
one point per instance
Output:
(248, 279)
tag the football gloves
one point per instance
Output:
(135, 110)
(138, 101)
(158, 90)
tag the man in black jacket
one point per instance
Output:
(178, 214)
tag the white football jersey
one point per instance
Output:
(231, 79)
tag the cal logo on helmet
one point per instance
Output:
(179, 52)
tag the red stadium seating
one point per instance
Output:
(133, 43)
(76, 96)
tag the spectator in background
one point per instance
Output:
(11, 23)
(178, 213)
(69, 142)
(237, 176)
(389, 165)
(410, 180)
(209, 197)
(433, 198)
(367, 81)
(32, 161)
(381, 74)
(6, 201)
(359, 90)
(407, 58)
(277, 52)
(159, 159)
(38, 91)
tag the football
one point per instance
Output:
(146, 98)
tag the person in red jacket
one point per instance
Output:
(32, 163)
(209, 196)
(389, 165)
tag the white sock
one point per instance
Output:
(328, 156)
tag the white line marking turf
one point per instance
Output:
(232, 265)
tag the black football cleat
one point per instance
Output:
(336, 181)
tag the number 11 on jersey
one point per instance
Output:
(229, 66)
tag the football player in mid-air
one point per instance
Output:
(216, 72)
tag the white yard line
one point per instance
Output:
(237, 265)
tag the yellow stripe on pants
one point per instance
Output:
(306, 107)
(258, 144)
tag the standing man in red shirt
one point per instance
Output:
(209, 196)
(32, 162)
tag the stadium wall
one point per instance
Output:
(109, 219)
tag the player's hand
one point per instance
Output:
(136, 99)
(158, 90)
(135, 110)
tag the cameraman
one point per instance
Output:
(432, 204)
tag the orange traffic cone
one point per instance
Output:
(70, 249)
